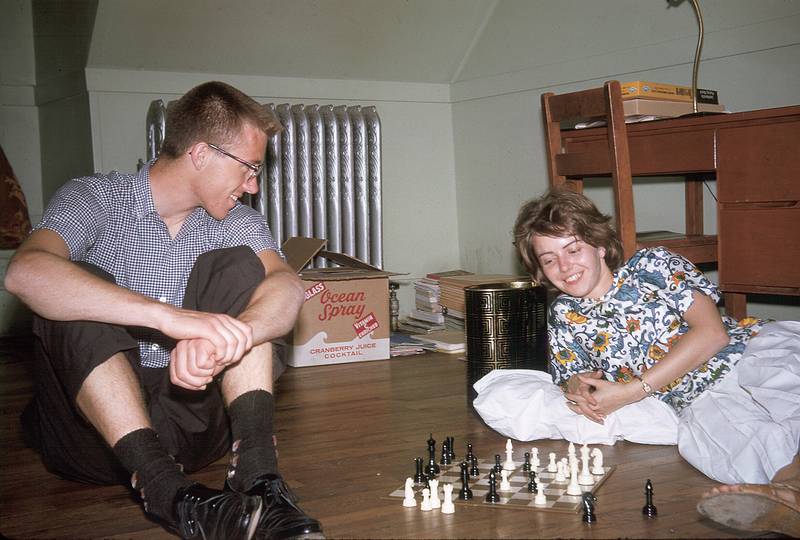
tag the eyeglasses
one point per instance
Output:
(255, 170)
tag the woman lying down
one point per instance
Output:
(639, 351)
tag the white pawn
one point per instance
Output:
(584, 450)
(447, 506)
(565, 467)
(586, 478)
(436, 502)
(425, 506)
(551, 467)
(560, 478)
(574, 487)
(408, 493)
(597, 462)
(505, 485)
(535, 463)
(573, 460)
(540, 499)
(509, 465)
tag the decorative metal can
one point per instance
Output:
(506, 327)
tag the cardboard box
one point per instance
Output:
(666, 109)
(345, 317)
(669, 92)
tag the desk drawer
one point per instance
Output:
(759, 247)
(759, 163)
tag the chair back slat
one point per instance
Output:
(584, 105)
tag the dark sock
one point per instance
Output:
(253, 448)
(157, 477)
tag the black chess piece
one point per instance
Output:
(419, 476)
(432, 469)
(588, 507)
(468, 459)
(526, 466)
(445, 453)
(492, 496)
(497, 465)
(649, 509)
(474, 471)
(532, 482)
(465, 493)
(451, 447)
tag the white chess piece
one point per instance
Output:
(560, 478)
(447, 506)
(535, 463)
(573, 460)
(436, 502)
(425, 506)
(574, 487)
(551, 467)
(597, 462)
(408, 499)
(584, 450)
(586, 478)
(565, 466)
(505, 485)
(509, 465)
(571, 449)
(540, 499)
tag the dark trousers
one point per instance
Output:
(191, 425)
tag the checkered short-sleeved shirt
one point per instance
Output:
(111, 222)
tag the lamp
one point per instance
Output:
(698, 49)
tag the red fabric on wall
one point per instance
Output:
(15, 224)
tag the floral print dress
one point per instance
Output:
(635, 324)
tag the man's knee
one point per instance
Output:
(223, 280)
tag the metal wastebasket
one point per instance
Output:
(506, 327)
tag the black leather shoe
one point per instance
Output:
(281, 518)
(202, 512)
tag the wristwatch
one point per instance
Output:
(647, 388)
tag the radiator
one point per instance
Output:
(322, 177)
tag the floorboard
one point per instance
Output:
(347, 436)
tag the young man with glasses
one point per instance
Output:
(156, 298)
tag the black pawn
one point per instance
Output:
(419, 476)
(527, 465)
(474, 471)
(445, 453)
(451, 447)
(468, 459)
(497, 465)
(492, 496)
(588, 508)
(532, 482)
(465, 493)
(649, 509)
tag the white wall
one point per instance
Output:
(751, 56)
(419, 200)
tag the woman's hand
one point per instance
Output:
(610, 396)
(580, 397)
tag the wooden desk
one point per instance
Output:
(755, 156)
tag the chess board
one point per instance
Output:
(518, 497)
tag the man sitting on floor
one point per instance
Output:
(156, 297)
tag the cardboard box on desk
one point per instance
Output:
(345, 316)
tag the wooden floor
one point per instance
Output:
(347, 437)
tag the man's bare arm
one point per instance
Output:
(276, 302)
(41, 275)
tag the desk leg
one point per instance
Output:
(736, 305)
(694, 204)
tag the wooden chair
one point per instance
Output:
(566, 164)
